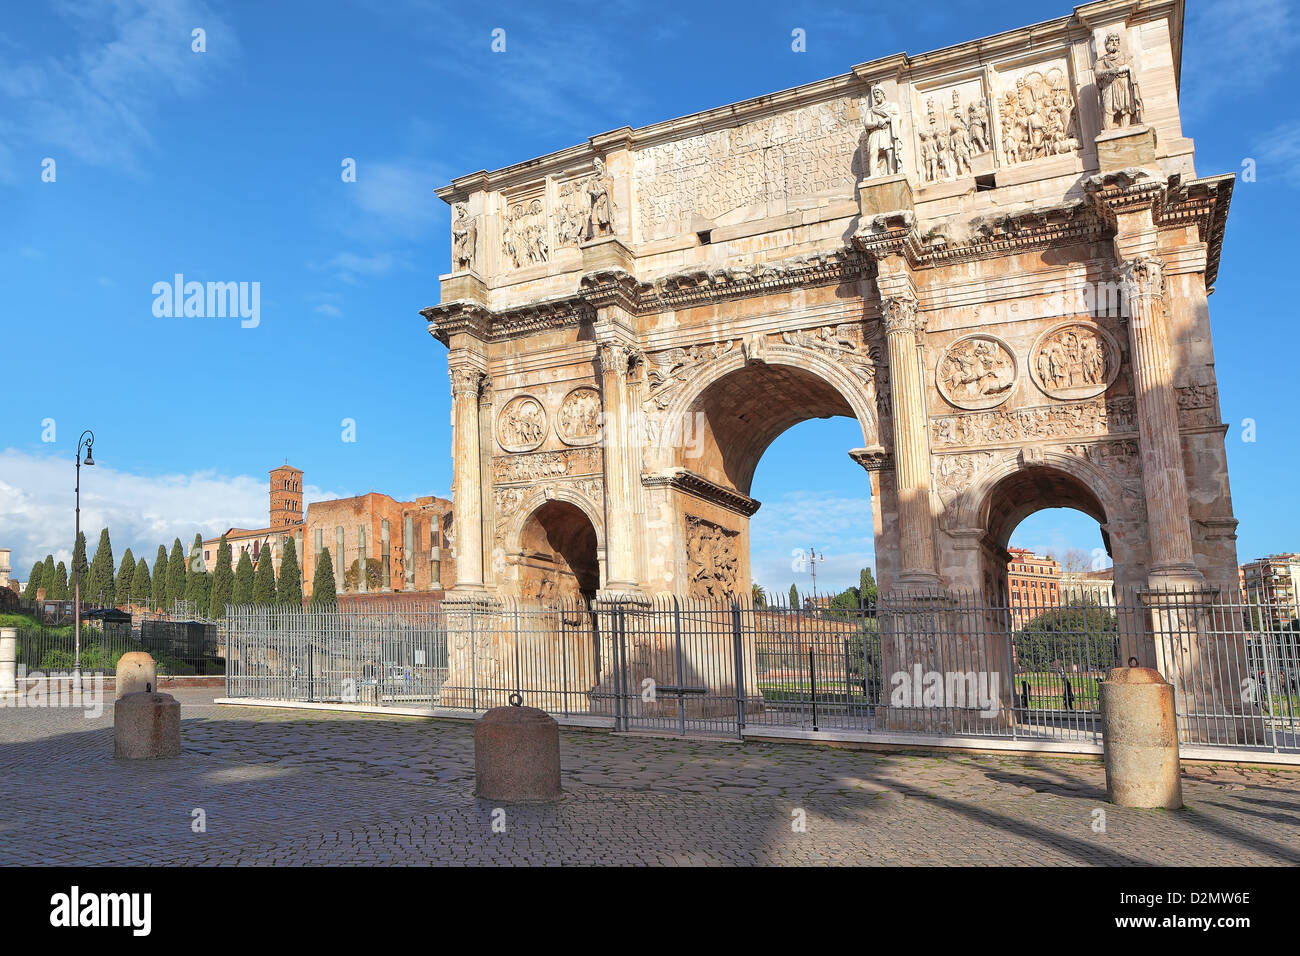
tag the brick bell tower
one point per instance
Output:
(286, 496)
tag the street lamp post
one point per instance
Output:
(87, 441)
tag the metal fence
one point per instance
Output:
(950, 664)
(46, 650)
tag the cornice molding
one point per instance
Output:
(684, 480)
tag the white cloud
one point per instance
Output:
(839, 528)
(140, 511)
(1232, 46)
(1278, 154)
(96, 102)
(347, 266)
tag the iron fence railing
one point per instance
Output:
(46, 651)
(950, 664)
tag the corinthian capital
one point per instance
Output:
(900, 314)
(1144, 275)
(615, 357)
(466, 380)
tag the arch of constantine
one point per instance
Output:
(995, 257)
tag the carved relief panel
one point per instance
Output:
(1074, 360)
(954, 136)
(978, 371)
(579, 418)
(525, 239)
(1036, 111)
(712, 556)
(521, 424)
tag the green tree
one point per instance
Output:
(1069, 635)
(34, 581)
(198, 591)
(223, 581)
(374, 576)
(141, 584)
(47, 578)
(867, 587)
(289, 587)
(61, 590)
(176, 573)
(759, 595)
(79, 572)
(125, 572)
(242, 592)
(794, 596)
(264, 579)
(160, 578)
(322, 583)
(102, 591)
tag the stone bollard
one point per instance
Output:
(517, 755)
(8, 660)
(1140, 739)
(136, 673)
(147, 725)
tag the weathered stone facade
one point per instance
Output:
(995, 257)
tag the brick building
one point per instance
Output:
(1033, 584)
(1273, 582)
(405, 543)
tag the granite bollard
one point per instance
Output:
(146, 725)
(136, 672)
(517, 755)
(1140, 739)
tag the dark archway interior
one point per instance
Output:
(742, 413)
(559, 557)
(1019, 495)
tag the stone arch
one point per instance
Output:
(556, 539)
(832, 387)
(1005, 494)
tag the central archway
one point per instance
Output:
(731, 413)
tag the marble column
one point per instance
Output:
(1173, 560)
(621, 468)
(467, 504)
(903, 327)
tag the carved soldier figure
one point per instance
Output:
(959, 138)
(600, 220)
(884, 153)
(978, 125)
(463, 236)
(928, 156)
(1121, 103)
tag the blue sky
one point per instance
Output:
(225, 166)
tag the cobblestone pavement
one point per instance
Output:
(310, 787)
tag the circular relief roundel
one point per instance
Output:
(978, 371)
(521, 426)
(579, 418)
(1074, 360)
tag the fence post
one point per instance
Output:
(812, 676)
(738, 658)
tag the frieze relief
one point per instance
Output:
(546, 464)
(953, 474)
(668, 370)
(524, 239)
(1043, 422)
(844, 343)
(953, 131)
(1074, 360)
(521, 425)
(978, 371)
(1036, 112)
(579, 418)
(713, 562)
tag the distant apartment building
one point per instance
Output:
(1088, 587)
(1033, 584)
(1273, 582)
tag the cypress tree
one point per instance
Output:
(79, 572)
(125, 572)
(34, 581)
(101, 572)
(322, 583)
(160, 578)
(264, 580)
(289, 587)
(61, 590)
(794, 596)
(141, 585)
(223, 581)
(867, 587)
(243, 588)
(176, 574)
(47, 578)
